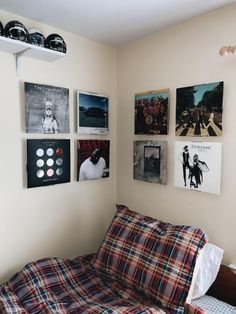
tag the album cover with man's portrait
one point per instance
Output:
(198, 166)
(92, 113)
(150, 161)
(48, 162)
(93, 159)
(46, 109)
(199, 110)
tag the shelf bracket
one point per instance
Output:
(17, 56)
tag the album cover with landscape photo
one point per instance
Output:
(92, 113)
(199, 110)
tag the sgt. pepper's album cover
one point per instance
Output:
(151, 112)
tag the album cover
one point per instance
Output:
(92, 113)
(48, 162)
(199, 110)
(46, 109)
(93, 159)
(198, 166)
(151, 112)
(150, 161)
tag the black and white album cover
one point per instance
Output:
(198, 166)
(92, 113)
(46, 109)
(150, 161)
(199, 110)
(48, 162)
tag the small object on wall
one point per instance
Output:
(199, 110)
(151, 112)
(48, 162)
(93, 159)
(150, 161)
(92, 113)
(46, 109)
(198, 166)
(227, 51)
(233, 50)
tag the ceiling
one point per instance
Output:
(112, 22)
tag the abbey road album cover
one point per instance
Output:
(150, 161)
(151, 112)
(46, 109)
(92, 113)
(199, 110)
(198, 166)
(48, 162)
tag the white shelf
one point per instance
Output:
(19, 48)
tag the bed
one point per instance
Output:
(143, 266)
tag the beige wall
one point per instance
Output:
(181, 56)
(66, 219)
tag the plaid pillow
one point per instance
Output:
(155, 257)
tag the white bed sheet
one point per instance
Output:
(214, 306)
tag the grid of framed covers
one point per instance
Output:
(49, 158)
(199, 110)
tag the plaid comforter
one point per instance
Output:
(58, 286)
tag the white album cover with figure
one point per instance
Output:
(198, 166)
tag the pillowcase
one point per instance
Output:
(194, 278)
(154, 257)
(207, 268)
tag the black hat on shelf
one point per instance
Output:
(1, 29)
(55, 42)
(16, 30)
(35, 37)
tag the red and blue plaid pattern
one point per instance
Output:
(63, 286)
(155, 257)
(152, 260)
